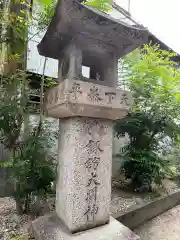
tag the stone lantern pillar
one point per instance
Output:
(87, 108)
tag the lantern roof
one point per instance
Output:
(72, 18)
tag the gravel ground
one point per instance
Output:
(163, 227)
(122, 200)
(12, 225)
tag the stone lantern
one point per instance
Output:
(86, 106)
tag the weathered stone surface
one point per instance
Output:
(51, 228)
(81, 36)
(83, 192)
(72, 18)
(77, 98)
(102, 62)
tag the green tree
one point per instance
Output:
(34, 167)
(30, 155)
(154, 80)
(31, 162)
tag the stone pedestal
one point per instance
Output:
(83, 192)
(72, 98)
(51, 228)
(84, 186)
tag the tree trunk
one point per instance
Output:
(19, 208)
(27, 204)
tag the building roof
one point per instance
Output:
(154, 40)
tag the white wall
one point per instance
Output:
(118, 144)
(35, 62)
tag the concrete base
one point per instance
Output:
(49, 227)
(138, 214)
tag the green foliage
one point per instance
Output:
(145, 131)
(14, 17)
(13, 102)
(45, 2)
(142, 163)
(45, 16)
(31, 161)
(154, 80)
(34, 167)
(101, 5)
(21, 237)
(144, 168)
